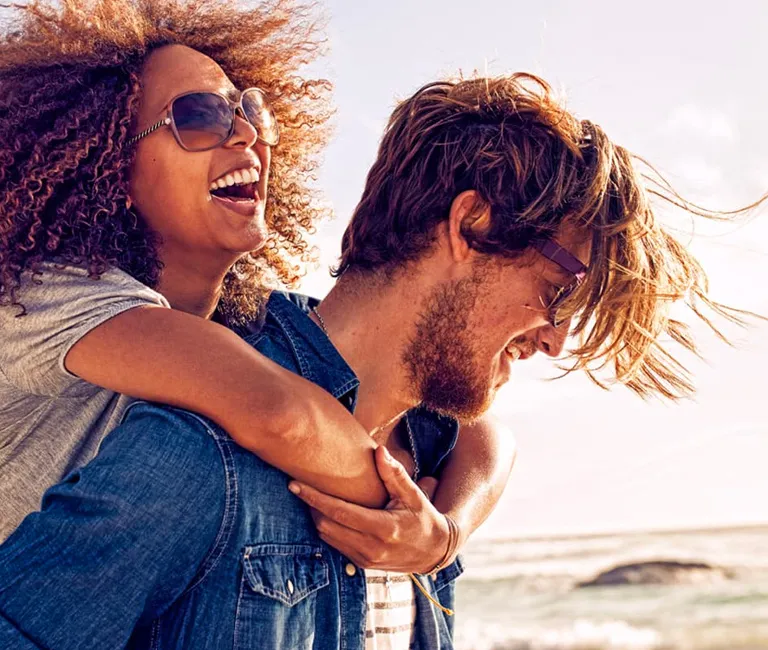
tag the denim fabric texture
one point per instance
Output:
(174, 537)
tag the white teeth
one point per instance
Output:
(237, 177)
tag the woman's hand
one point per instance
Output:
(408, 536)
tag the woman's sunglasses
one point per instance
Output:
(204, 120)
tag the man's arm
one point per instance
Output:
(118, 541)
(476, 474)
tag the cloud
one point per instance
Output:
(700, 121)
(696, 171)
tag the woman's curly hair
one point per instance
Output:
(69, 96)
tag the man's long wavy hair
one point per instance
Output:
(69, 96)
(538, 168)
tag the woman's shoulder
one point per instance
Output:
(58, 305)
(57, 282)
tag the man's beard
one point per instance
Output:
(441, 358)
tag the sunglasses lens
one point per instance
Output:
(260, 115)
(203, 120)
(557, 303)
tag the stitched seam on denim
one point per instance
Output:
(294, 599)
(271, 550)
(285, 325)
(226, 527)
(342, 588)
(345, 388)
(154, 637)
(238, 619)
(260, 550)
(305, 368)
(414, 451)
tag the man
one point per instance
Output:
(489, 219)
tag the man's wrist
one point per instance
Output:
(451, 546)
(463, 531)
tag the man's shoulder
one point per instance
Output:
(283, 337)
(170, 436)
(272, 340)
(153, 414)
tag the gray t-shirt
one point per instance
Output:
(51, 421)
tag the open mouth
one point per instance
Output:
(237, 193)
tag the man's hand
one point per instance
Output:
(409, 536)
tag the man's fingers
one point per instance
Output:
(396, 480)
(347, 514)
(343, 548)
(358, 547)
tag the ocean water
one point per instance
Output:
(522, 595)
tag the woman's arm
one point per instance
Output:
(165, 355)
(411, 535)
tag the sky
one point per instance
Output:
(676, 82)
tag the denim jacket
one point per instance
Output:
(175, 537)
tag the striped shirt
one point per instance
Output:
(391, 613)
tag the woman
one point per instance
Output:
(123, 194)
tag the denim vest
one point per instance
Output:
(269, 582)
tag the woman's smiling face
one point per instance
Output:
(172, 188)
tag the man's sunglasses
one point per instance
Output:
(204, 120)
(570, 263)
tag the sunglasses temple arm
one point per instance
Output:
(146, 132)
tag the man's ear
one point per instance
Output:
(468, 214)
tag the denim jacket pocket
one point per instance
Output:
(286, 572)
(280, 596)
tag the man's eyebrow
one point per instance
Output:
(232, 93)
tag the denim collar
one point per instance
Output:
(317, 359)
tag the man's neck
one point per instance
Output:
(370, 327)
